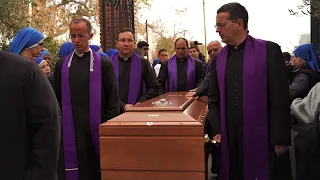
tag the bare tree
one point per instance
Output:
(307, 7)
(52, 17)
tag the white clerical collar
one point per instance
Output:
(91, 59)
(80, 55)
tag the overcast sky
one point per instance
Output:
(269, 20)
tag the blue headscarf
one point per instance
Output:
(111, 52)
(95, 48)
(66, 49)
(103, 54)
(39, 60)
(308, 53)
(155, 62)
(44, 53)
(26, 38)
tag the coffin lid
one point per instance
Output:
(183, 116)
(172, 101)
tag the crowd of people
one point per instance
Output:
(257, 97)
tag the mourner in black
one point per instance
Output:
(249, 107)
(180, 72)
(135, 78)
(30, 121)
(86, 90)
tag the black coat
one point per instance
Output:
(30, 126)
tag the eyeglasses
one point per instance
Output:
(223, 25)
(213, 50)
(123, 40)
(146, 49)
(80, 36)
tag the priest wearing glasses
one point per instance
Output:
(86, 90)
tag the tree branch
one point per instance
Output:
(65, 2)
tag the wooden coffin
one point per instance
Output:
(160, 139)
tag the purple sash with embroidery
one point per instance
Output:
(173, 74)
(135, 76)
(255, 122)
(69, 141)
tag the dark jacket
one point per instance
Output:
(303, 80)
(30, 121)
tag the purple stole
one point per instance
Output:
(255, 120)
(173, 74)
(135, 76)
(69, 141)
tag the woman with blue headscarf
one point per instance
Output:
(46, 56)
(28, 43)
(111, 52)
(96, 48)
(65, 49)
(306, 60)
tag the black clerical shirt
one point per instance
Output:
(79, 78)
(277, 99)
(148, 78)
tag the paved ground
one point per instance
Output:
(210, 176)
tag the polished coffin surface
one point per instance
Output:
(155, 140)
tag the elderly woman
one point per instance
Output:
(28, 43)
(306, 60)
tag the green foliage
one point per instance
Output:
(52, 46)
(13, 17)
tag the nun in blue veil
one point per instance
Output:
(95, 48)
(28, 42)
(65, 49)
(306, 60)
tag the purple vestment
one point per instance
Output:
(135, 76)
(173, 74)
(69, 141)
(255, 122)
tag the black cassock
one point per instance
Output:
(79, 76)
(278, 110)
(30, 121)
(148, 79)
(181, 75)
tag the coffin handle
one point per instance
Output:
(208, 140)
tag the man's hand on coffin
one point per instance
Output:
(193, 90)
(127, 106)
(192, 94)
(217, 138)
(280, 149)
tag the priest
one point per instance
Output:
(249, 107)
(86, 90)
(135, 78)
(180, 72)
